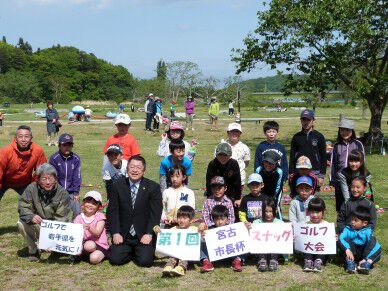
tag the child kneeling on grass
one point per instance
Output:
(316, 211)
(358, 242)
(220, 216)
(95, 242)
(268, 261)
(185, 216)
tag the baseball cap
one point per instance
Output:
(307, 113)
(255, 178)
(304, 180)
(114, 148)
(95, 195)
(346, 123)
(65, 138)
(217, 180)
(234, 126)
(123, 118)
(271, 157)
(175, 125)
(224, 148)
(303, 162)
(150, 95)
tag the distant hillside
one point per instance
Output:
(266, 84)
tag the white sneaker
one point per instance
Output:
(187, 128)
(192, 129)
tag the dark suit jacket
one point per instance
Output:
(146, 213)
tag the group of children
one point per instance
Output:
(225, 204)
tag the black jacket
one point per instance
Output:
(231, 173)
(145, 215)
(313, 147)
(345, 214)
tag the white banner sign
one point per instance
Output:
(271, 238)
(315, 238)
(227, 241)
(183, 244)
(61, 237)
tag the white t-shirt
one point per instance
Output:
(231, 105)
(88, 111)
(242, 154)
(173, 199)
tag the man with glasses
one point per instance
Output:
(19, 160)
(135, 208)
(310, 143)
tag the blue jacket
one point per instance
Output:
(360, 237)
(265, 146)
(69, 171)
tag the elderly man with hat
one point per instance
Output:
(68, 167)
(346, 142)
(225, 166)
(19, 160)
(310, 143)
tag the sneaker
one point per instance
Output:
(167, 270)
(236, 265)
(187, 129)
(207, 266)
(178, 271)
(273, 265)
(317, 265)
(262, 265)
(350, 267)
(34, 257)
(364, 268)
(308, 266)
(192, 129)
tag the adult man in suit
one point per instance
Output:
(135, 207)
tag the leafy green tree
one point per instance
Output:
(161, 70)
(339, 42)
(4, 39)
(20, 87)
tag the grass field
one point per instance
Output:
(17, 273)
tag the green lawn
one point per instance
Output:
(17, 273)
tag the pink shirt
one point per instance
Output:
(102, 240)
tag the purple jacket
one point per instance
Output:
(69, 171)
(339, 156)
(189, 107)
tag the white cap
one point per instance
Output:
(255, 178)
(123, 118)
(95, 195)
(150, 94)
(234, 126)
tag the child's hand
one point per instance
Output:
(202, 227)
(336, 237)
(349, 255)
(361, 262)
(164, 135)
(86, 226)
(237, 203)
(248, 225)
(157, 229)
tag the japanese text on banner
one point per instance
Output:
(315, 238)
(227, 241)
(61, 237)
(182, 244)
(271, 238)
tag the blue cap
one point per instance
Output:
(65, 138)
(304, 180)
(307, 113)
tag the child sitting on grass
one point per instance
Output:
(268, 261)
(220, 216)
(95, 242)
(298, 207)
(176, 196)
(316, 211)
(185, 216)
(358, 242)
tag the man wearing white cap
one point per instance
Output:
(240, 151)
(122, 138)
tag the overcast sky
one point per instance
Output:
(137, 33)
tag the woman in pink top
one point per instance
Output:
(95, 242)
